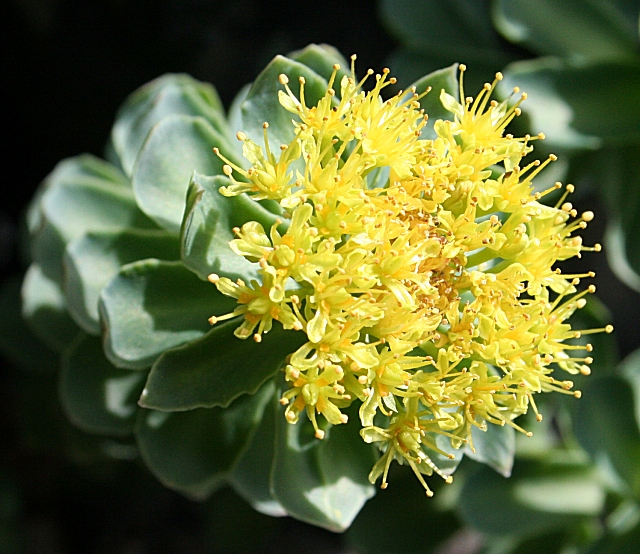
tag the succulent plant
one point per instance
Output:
(376, 260)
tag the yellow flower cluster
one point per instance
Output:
(421, 271)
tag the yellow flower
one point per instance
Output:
(433, 300)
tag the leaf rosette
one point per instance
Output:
(124, 250)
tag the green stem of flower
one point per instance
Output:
(499, 267)
(480, 257)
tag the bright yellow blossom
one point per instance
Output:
(433, 300)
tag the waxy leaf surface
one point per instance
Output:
(151, 306)
(217, 368)
(97, 397)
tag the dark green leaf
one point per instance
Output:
(171, 94)
(595, 315)
(630, 369)
(434, 34)
(194, 451)
(495, 447)
(410, 65)
(262, 104)
(232, 526)
(251, 477)
(174, 149)
(606, 425)
(578, 29)
(322, 482)
(444, 79)
(216, 369)
(579, 106)
(43, 307)
(539, 497)
(91, 261)
(617, 170)
(626, 543)
(207, 228)
(432, 26)
(17, 341)
(321, 58)
(151, 306)
(96, 396)
(389, 522)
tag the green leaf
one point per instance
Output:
(459, 31)
(43, 307)
(174, 149)
(606, 426)
(235, 121)
(444, 79)
(495, 447)
(409, 65)
(321, 58)
(617, 172)
(630, 369)
(262, 104)
(455, 26)
(97, 397)
(194, 451)
(171, 94)
(389, 522)
(578, 106)
(321, 482)
(18, 343)
(626, 543)
(597, 31)
(227, 520)
(217, 368)
(605, 355)
(81, 168)
(207, 228)
(539, 497)
(251, 477)
(84, 194)
(92, 260)
(151, 306)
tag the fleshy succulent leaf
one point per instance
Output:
(92, 260)
(323, 482)
(174, 149)
(495, 447)
(321, 58)
(606, 426)
(207, 228)
(251, 477)
(171, 94)
(444, 79)
(194, 451)
(217, 368)
(83, 194)
(262, 104)
(18, 342)
(97, 397)
(539, 497)
(598, 30)
(151, 306)
(44, 309)
(572, 103)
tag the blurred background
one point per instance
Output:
(68, 64)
